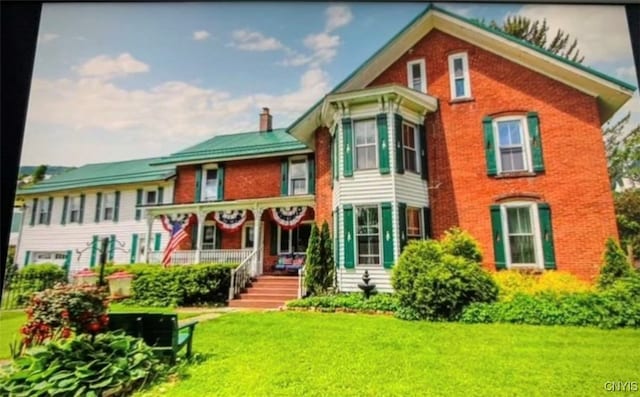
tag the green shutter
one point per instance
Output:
(50, 208)
(336, 234)
(98, 206)
(536, 143)
(347, 149)
(498, 238)
(116, 209)
(81, 214)
(544, 212)
(67, 263)
(197, 195)
(284, 177)
(134, 248)
(34, 210)
(138, 202)
(273, 238)
(489, 146)
(312, 175)
(220, 177)
(157, 242)
(27, 257)
(399, 149)
(402, 224)
(349, 237)
(424, 166)
(112, 247)
(426, 220)
(65, 204)
(387, 236)
(160, 195)
(94, 251)
(383, 143)
(334, 168)
(218, 238)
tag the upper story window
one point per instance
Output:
(511, 138)
(365, 144)
(298, 174)
(414, 223)
(410, 147)
(43, 212)
(416, 76)
(74, 209)
(151, 197)
(210, 184)
(108, 210)
(459, 76)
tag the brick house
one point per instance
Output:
(449, 124)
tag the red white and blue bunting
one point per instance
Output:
(230, 221)
(169, 222)
(288, 217)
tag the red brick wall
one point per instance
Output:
(324, 193)
(253, 178)
(575, 181)
(185, 186)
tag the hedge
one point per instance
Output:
(350, 302)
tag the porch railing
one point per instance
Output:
(240, 277)
(302, 291)
(224, 256)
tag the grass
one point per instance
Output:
(316, 354)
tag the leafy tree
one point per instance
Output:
(38, 173)
(627, 204)
(460, 243)
(623, 151)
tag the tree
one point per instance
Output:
(627, 204)
(615, 266)
(313, 265)
(328, 268)
(623, 151)
(38, 173)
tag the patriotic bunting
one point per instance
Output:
(288, 217)
(176, 226)
(230, 221)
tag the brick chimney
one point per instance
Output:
(265, 120)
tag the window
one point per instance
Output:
(522, 239)
(16, 222)
(416, 77)
(294, 241)
(109, 206)
(151, 197)
(410, 147)
(366, 151)
(368, 236)
(247, 236)
(210, 185)
(414, 224)
(74, 209)
(209, 237)
(298, 176)
(511, 138)
(459, 76)
(43, 212)
(142, 242)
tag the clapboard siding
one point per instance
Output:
(412, 190)
(348, 279)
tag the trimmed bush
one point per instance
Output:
(353, 301)
(35, 278)
(458, 242)
(513, 282)
(434, 285)
(616, 265)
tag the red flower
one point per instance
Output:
(66, 332)
(65, 314)
(94, 327)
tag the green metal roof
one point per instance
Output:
(101, 174)
(244, 144)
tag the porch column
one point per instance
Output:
(201, 217)
(257, 215)
(147, 238)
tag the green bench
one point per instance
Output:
(160, 331)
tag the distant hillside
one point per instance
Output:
(51, 170)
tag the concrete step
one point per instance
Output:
(262, 304)
(273, 285)
(272, 289)
(271, 296)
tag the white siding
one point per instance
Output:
(348, 279)
(412, 190)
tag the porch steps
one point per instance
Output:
(268, 292)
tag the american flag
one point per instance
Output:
(177, 229)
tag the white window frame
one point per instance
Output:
(465, 76)
(299, 160)
(43, 211)
(420, 235)
(146, 197)
(105, 197)
(537, 238)
(526, 149)
(423, 75)
(290, 245)
(355, 240)
(356, 146)
(209, 224)
(72, 209)
(416, 149)
(203, 183)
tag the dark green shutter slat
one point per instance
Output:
(426, 220)
(489, 146)
(498, 238)
(112, 247)
(544, 212)
(284, 177)
(160, 195)
(273, 238)
(220, 178)
(94, 251)
(402, 224)
(334, 168)
(34, 210)
(134, 248)
(81, 214)
(535, 140)
(387, 236)
(50, 209)
(383, 143)
(312, 175)
(218, 238)
(157, 241)
(349, 237)
(336, 234)
(347, 147)
(424, 166)
(65, 204)
(98, 206)
(399, 147)
(138, 202)
(197, 195)
(116, 209)
(27, 257)
(67, 262)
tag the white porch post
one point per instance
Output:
(147, 242)
(201, 217)
(257, 226)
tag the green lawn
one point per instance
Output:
(315, 354)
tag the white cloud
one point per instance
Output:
(47, 37)
(323, 45)
(201, 35)
(248, 40)
(105, 67)
(602, 31)
(337, 16)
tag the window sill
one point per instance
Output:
(461, 100)
(519, 174)
(526, 269)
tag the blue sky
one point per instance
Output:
(125, 80)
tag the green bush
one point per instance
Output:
(460, 243)
(434, 285)
(616, 265)
(353, 301)
(186, 285)
(513, 282)
(113, 364)
(35, 278)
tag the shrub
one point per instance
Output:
(512, 282)
(434, 285)
(627, 204)
(353, 301)
(112, 364)
(34, 278)
(319, 268)
(615, 266)
(460, 243)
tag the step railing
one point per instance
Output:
(240, 277)
(302, 291)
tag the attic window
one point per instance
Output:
(416, 76)
(459, 76)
